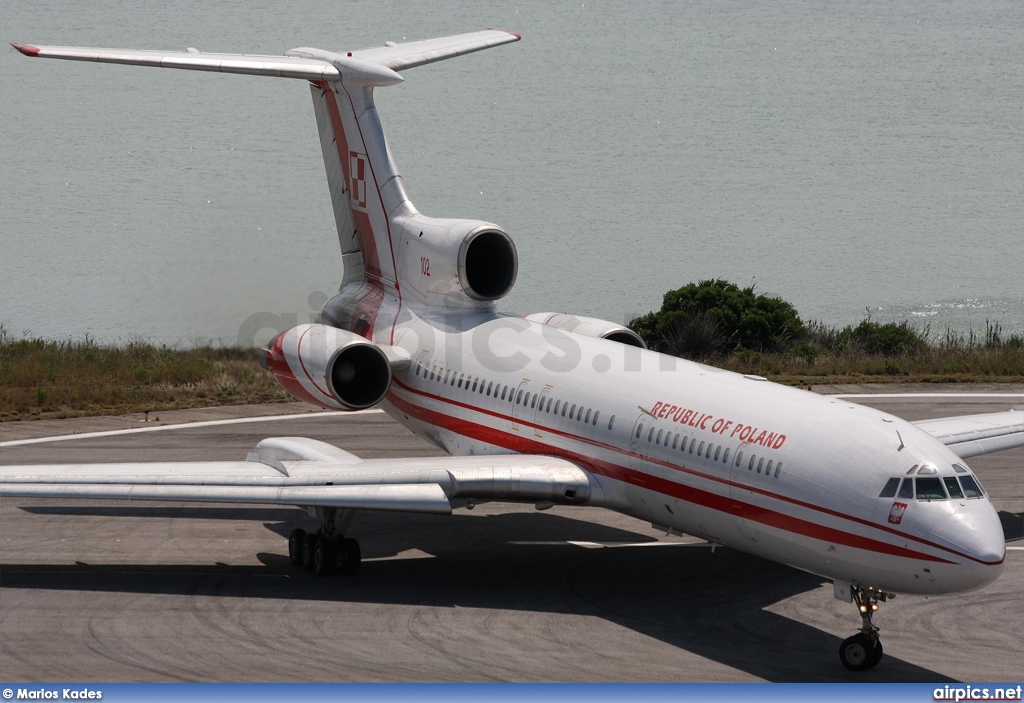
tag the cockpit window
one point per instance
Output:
(890, 488)
(953, 487)
(959, 468)
(907, 489)
(971, 487)
(930, 489)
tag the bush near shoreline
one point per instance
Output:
(68, 378)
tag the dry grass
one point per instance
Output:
(45, 378)
(929, 365)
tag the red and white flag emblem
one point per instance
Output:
(357, 179)
(896, 512)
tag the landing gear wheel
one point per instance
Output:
(351, 557)
(324, 557)
(295, 546)
(308, 545)
(859, 653)
(877, 655)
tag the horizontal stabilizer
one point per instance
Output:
(297, 64)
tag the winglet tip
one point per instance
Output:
(26, 49)
(517, 35)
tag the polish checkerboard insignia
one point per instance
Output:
(357, 179)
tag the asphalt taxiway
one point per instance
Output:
(105, 591)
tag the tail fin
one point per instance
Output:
(366, 189)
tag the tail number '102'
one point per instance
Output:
(424, 266)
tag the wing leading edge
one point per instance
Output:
(971, 435)
(305, 472)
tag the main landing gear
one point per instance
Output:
(863, 650)
(324, 551)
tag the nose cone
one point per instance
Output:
(975, 532)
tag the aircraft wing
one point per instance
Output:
(298, 64)
(971, 435)
(305, 472)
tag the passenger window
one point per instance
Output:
(650, 435)
(558, 404)
(596, 414)
(778, 469)
(953, 487)
(889, 490)
(682, 444)
(433, 373)
(710, 447)
(611, 421)
(700, 449)
(587, 418)
(675, 441)
(907, 489)
(504, 388)
(971, 487)
(418, 367)
(453, 379)
(693, 443)
(639, 429)
(930, 489)
(725, 458)
(550, 401)
(760, 463)
(534, 403)
(718, 451)
(750, 466)
(490, 386)
(475, 382)
(739, 458)
(572, 411)
(460, 380)
(768, 470)
(660, 432)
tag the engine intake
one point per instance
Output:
(488, 264)
(590, 327)
(329, 367)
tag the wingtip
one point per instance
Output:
(517, 35)
(26, 49)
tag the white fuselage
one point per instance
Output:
(774, 471)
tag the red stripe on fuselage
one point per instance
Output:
(743, 509)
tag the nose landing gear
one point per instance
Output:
(863, 650)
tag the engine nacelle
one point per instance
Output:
(590, 327)
(456, 263)
(329, 367)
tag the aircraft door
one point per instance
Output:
(635, 440)
(520, 410)
(538, 414)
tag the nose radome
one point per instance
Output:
(976, 532)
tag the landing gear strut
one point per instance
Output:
(325, 551)
(863, 650)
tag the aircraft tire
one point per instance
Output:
(325, 559)
(308, 545)
(877, 654)
(859, 653)
(295, 546)
(351, 557)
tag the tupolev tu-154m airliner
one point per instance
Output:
(553, 409)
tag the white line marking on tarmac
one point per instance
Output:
(182, 426)
(610, 545)
(1007, 396)
(1018, 548)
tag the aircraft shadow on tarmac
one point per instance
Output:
(714, 605)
